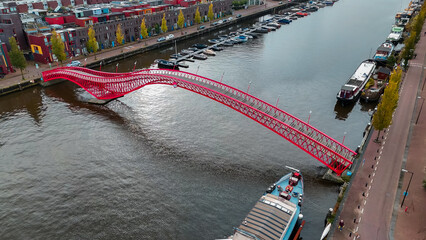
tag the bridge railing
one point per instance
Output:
(270, 109)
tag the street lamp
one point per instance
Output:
(406, 191)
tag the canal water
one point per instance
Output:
(164, 163)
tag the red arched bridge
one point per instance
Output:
(104, 85)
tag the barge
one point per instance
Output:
(353, 87)
(277, 214)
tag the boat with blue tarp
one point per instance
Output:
(277, 214)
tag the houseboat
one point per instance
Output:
(383, 52)
(276, 215)
(353, 87)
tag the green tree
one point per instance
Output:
(17, 58)
(181, 20)
(58, 47)
(164, 24)
(144, 30)
(210, 14)
(157, 28)
(92, 44)
(119, 35)
(197, 17)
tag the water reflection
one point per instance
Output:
(28, 100)
(367, 106)
(342, 110)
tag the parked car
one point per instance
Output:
(202, 27)
(238, 16)
(74, 64)
(215, 23)
(170, 36)
(161, 39)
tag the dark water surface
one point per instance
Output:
(164, 163)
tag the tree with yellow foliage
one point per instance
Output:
(197, 17)
(144, 31)
(164, 24)
(210, 14)
(119, 35)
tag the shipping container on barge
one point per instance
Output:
(353, 87)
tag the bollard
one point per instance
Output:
(406, 208)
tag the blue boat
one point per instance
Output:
(383, 52)
(240, 39)
(284, 21)
(276, 215)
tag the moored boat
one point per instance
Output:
(277, 214)
(199, 46)
(261, 30)
(353, 87)
(284, 21)
(200, 56)
(166, 64)
(216, 48)
(209, 52)
(214, 40)
(240, 39)
(383, 52)
(185, 52)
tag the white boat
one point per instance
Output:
(209, 52)
(325, 232)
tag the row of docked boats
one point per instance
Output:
(201, 51)
(371, 76)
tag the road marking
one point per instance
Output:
(369, 187)
(372, 180)
(359, 220)
(366, 196)
(374, 173)
(377, 163)
(375, 170)
(384, 142)
(378, 158)
(356, 229)
(362, 210)
(365, 202)
(381, 152)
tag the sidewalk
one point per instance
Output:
(32, 73)
(374, 198)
